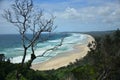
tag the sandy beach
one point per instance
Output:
(64, 59)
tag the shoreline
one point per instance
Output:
(64, 59)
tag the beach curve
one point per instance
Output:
(66, 58)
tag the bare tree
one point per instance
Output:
(27, 20)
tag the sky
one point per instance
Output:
(73, 15)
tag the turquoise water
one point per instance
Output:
(10, 46)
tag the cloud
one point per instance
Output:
(106, 13)
(69, 13)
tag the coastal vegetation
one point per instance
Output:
(101, 63)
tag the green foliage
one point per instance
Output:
(85, 72)
(106, 56)
(37, 75)
(12, 76)
(62, 73)
(6, 68)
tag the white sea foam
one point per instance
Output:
(18, 49)
(54, 41)
(68, 44)
(75, 38)
(17, 59)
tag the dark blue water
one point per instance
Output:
(14, 40)
(9, 41)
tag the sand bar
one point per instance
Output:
(64, 59)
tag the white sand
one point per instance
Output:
(65, 58)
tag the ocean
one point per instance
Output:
(10, 45)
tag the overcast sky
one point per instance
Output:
(73, 15)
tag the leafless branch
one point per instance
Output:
(52, 49)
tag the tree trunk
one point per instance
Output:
(32, 56)
(24, 56)
(31, 60)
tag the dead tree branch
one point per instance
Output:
(52, 49)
